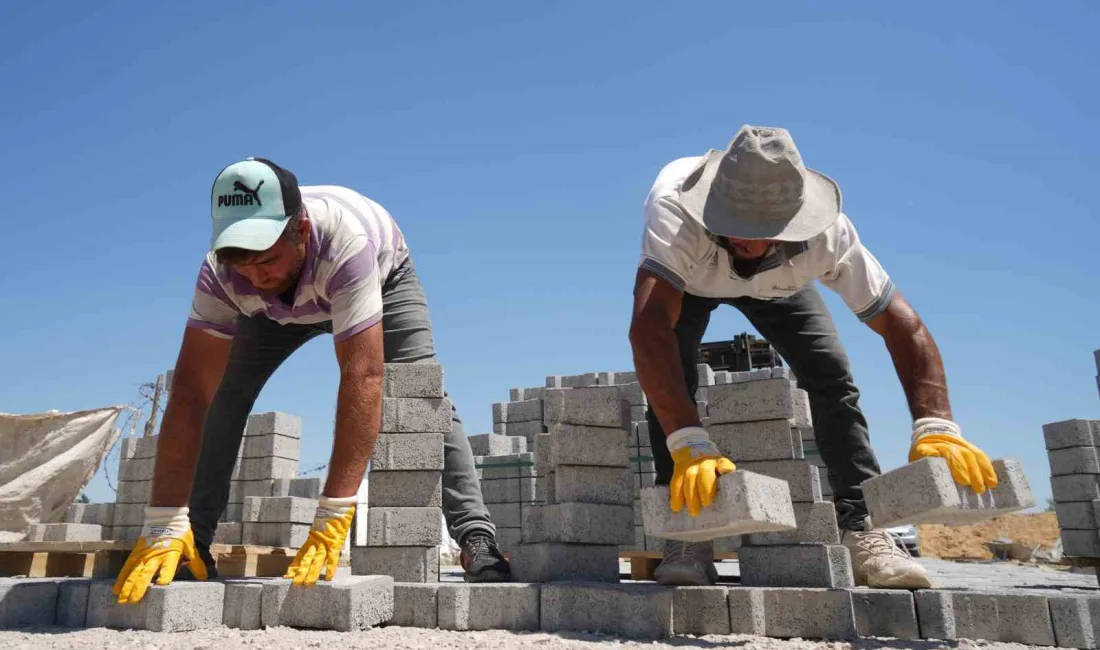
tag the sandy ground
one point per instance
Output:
(969, 541)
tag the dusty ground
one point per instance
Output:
(969, 541)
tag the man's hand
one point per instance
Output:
(321, 552)
(697, 464)
(165, 536)
(943, 438)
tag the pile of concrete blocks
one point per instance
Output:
(506, 471)
(1075, 483)
(521, 416)
(135, 481)
(405, 497)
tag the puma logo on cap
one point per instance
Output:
(250, 195)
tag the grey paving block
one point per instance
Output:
(344, 604)
(572, 444)
(402, 563)
(136, 469)
(508, 490)
(550, 561)
(177, 607)
(802, 477)
(404, 527)
(280, 510)
(258, 469)
(701, 610)
(274, 534)
(510, 466)
(553, 381)
(240, 490)
(64, 533)
(764, 440)
(72, 603)
(990, 616)
(509, 538)
(626, 610)
(407, 451)
(493, 444)
(745, 503)
(501, 606)
(584, 484)
(271, 445)
(275, 422)
(1076, 515)
(886, 613)
(816, 522)
(243, 604)
(1081, 543)
(524, 411)
(521, 394)
(28, 602)
(125, 533)
(412, 380)
(797, 565)
(415, 605)
(129, 514)
(229, 533)
(1075, 487)
(616, 378)
(307, 488)
(595, 407)
(133, 491)
(632, 394)
(416, 415)
(809, 613)
(579, 381)
(1075, 619)
(1073, 460)
(508, 515)
(746, 611)
(1071, 433)
(526, 430)
(925, 492)
(406, 489)
(581, 523)
(751, 401)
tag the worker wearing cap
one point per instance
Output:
(753, 228)
(287, 264)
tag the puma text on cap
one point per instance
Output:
(250, 204)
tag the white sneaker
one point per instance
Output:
(687, 564)
(877, 561)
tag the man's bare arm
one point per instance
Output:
(197, 375)
(358, 410)
(657, 354)
(916, 359)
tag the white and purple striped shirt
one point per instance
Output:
(354, 246)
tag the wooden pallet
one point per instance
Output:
(644, 563)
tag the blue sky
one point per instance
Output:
(515, 143)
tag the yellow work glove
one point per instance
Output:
(943, 438)
(165, 536)
(697, 464)
(326, 540)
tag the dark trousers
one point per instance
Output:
(259, 348)
(801, 329)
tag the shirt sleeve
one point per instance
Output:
(211, 308)
(855, 275)
(355, 289)
(671, 242)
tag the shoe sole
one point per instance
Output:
(673, 577)
(489, 576)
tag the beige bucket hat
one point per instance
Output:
(758, 188)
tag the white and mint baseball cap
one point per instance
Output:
(250, 204)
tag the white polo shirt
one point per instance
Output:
(678, 249)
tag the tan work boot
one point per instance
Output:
(878, 562)
(687, 564)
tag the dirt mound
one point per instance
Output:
(952, 542)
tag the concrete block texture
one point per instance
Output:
(404, 527)
(64, 533)
(133, 491)
(1073, 460)
(177, 607)
(501, 606)
(816, 523)
(129, 514)
(493, 444)
(809, 613)
(925, 492)
(596, 407)
(258, 469)
(764, 440)
(616, 378)
(72, 604)
(240, 490)
(508, 490)
(243, 604)
(274, 534)
(580, 523)
(524, 411)
(1081, 543)
(279, 510)
(1076, 515)
(28, 602)
(573, 444)
(551, 561)
(746, 613)
(1076, 620)
(1071, 433)
(803, 479)
(344, 604)
(701, 610)
(583, 484)
(797, 565)
(412, 380)
(407, 451)
(1075, 487)
(526, 430)
(307, 488)
(989, 616)
(274, 422)
(745, 503)
(229, 533)
(402, 563)
(886, 613)
(521, 394)
(507, 515)
(751, 401)
(627, 610)
(579, 381)
(415, 605)
(271, 445)
(406, 489)
(136, 469)
(510, 466)
(416, 415)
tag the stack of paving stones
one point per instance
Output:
(521, 416)
(506, 471)
(1075, 483)
(135, 480)
(405, 498)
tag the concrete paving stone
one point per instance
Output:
(763, 440)
(779, 372)
(583, 484)
(1076, 620)
(178, 607)
(275, 422)
(1076, 515)
(553, 381)
(750, 401)
(579, 523)
(129, 514)
(802, 477)
(282, 510)
(550, 561)
(1070, 433)
(344, 604)
(809, 613)
(402, 563)
(572, 444)
(816, 522)
(416, 415)
(701, 409)
(509, 538)
(616, 378)
(240, 490)
(524, 411)
(494, 444)
(797, 565)
(125, 533)
(412, 380)
(508, 490)
(633, 394)
(250, 510)
(797, 443)
(145, 447)
(637, 413)
(745, 503)
(579, 381)
(407, 489)
(271, 445)
(259, 469)
(28, 602)
(989, 616)
(1075, 487)
(635, 611)
(243, 604)
(508, 515)
(72, 603)
(1081, 543)
(701, 610)
(598, 406)
(415, 605)
(639, 434)
(76, 513)
(229, 533)
(526, 430)
(274, 534)
(521, 394)
(802, 415)
(501, 606)
(133, 491)
(885, 613)
(407, 451)
(307, 488)
(136, 469)
(706, 374)
(1073, 460)
(925, 492)
(723, 377)
(404, 527)
(64, 533)
(746, 611)
(510, 466)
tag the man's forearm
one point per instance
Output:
(920, 369)
(657, 362)
(178, 446)
(358, 419)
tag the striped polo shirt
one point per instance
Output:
(354, 246)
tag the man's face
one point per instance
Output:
(276, 269)
(749, 249)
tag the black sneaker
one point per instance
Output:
(482, 559)
(183, 571)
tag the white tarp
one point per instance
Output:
(46, 459)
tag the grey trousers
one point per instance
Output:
(260, 347)
(801, 330)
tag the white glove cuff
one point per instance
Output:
(683, 437)
(928, 426)
(333, 507)
(165, 521)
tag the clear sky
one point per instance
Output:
(514, 142)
